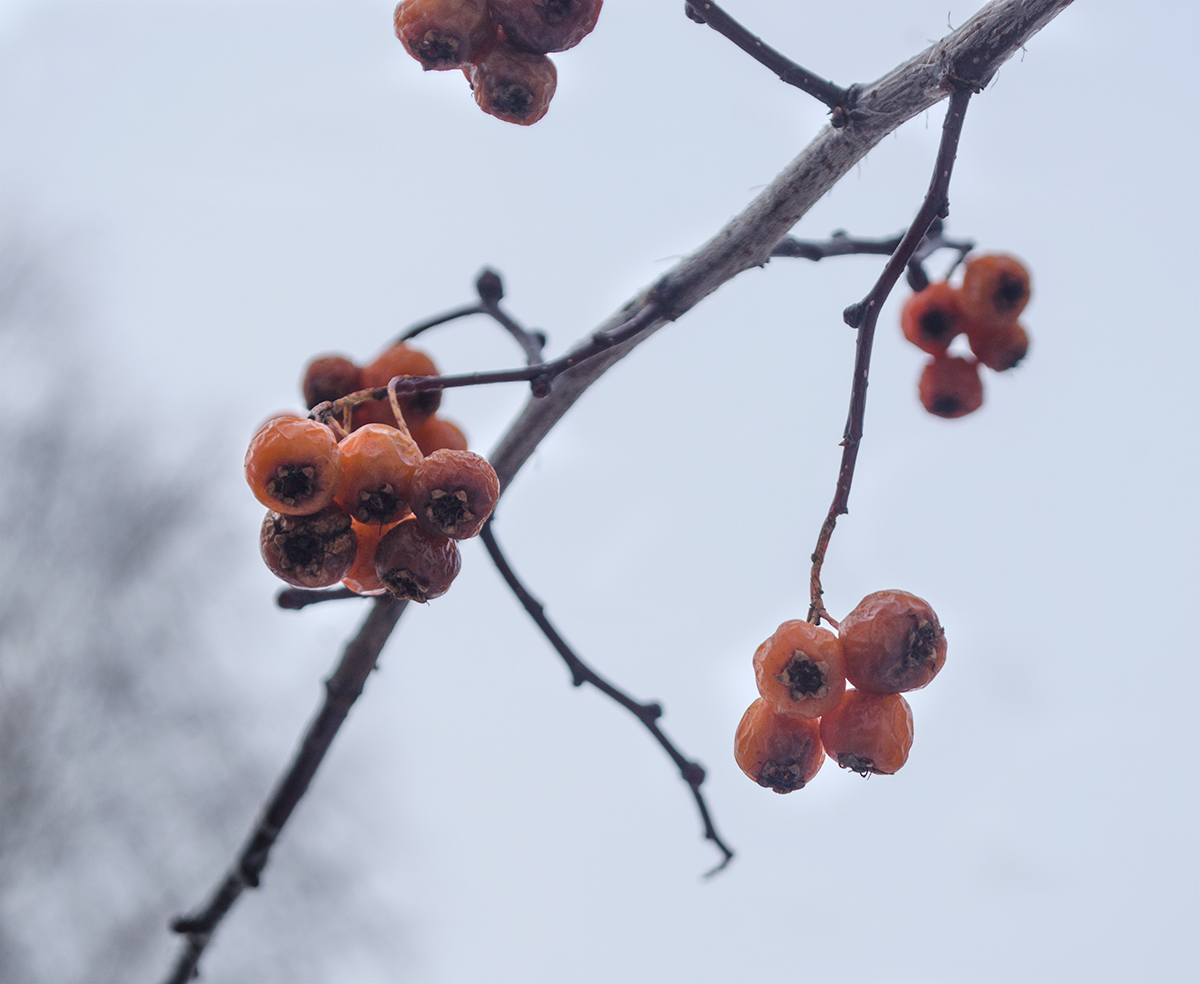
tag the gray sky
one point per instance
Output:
(240, 186)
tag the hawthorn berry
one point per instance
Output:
(362, 578)
(399, 360)
(543, 26)
(776, 750)
(893, 643)
(514, 85)
(439, 434)
(995, 288)
(445, 34)
(313, 551)
(330, 378)
(800, 670)
(1000, 346)
(869, 733)
(378, 465)
(950, 386)
(453, 493)
(293, 465)
(414, 564)
(932, 317)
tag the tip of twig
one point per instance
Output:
(490, 286)
(720, 867)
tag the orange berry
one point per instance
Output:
(313, 551)
(999, 347)
(453, 493)
(950, 386)
(869, 733)
(777, 751)
(893, 643)
(931, 318)
(414, 564)
(439, 434)
(378, 465)
(399, 360)
(445, 34)
(800, 670)
(514, 85)
(995, 288)
(293, 465)
(330, 378)
(362, 578)
(543, 26)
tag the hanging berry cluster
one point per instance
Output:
(994, 291)
(354, 495)
(890, 644)
(500, 45)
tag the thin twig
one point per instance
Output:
(297, 598)
(581, 673)
(864, 315)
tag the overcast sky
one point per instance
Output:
(236, 187)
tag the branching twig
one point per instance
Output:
(864, 315)
(581, 673)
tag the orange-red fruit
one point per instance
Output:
(445, 34)
(330, 378)
(362, 578)
(950, 386)
(399, 360)
(453, 493)
(293, 465)
(777, 751)
(378, 464)
(999, 347)
(438, 434)
(893, 643)
(800, 670)
(414, 564)
(930, 319)
(995, 288)
(514, 85)
(869, 733)
(312, 551)
(543, 26)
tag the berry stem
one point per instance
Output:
(864, 315)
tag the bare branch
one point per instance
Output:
(297, 598)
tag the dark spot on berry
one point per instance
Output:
(923, 639)
(863, 766)
(379, 506)
(783, 777)
(513, 99)
(946, 406)
(803, 677)
(1010, 292)
(293, 484)
(555, 11)
(438, 49)
(403, 583)
(448, 510)
(936, 325)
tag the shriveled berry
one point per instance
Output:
(800, 670)
(995, 288)
(445, 34)
(932, 318)
(378, 465)
(950, 386)
(999, 347)
(514, 85)
(414, 564)
(293, 465)
(780, 752)
(543, 26)
(869, 733)
(439, 434)
(313, 551)
(893, 643)
(453, 493)
(362, 577)
(330, 378)
(399, 360)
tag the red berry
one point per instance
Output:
(399, 360)
(330, 378)
(800, 670)
(293, 465)
(777, 751)
(438, 434)
(932, 317)
(999, 347)
(378, 465)
(893, 643)
(869, 733)
(514, 85)
(543, 26)
(995, 288)
(414, 564)
(950, 386)
(313, 551)
(362, 578)
(445, 34)
(453, 493)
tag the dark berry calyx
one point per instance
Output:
(947, 406)
(293, 484)
(863, 766)
(804, 677)
(404, 584)
(936, 325)
(378, 505)
(1010, 293)
(784, 777)
(923, 642)
(513, 99)
(447, 511)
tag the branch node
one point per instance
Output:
(540, 386)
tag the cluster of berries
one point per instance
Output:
(995, 289)
(500, 45)
(368, 502)
(890, 644)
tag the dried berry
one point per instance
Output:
(399, 360)
(932, 318)
(995, 288)
(414, 564)
(445, 34)
(999, 347)
(893, 643)
(514, 85)
(777, 751)
(293, 465)
(543, 26)
(362, 578)
(950, 386)
(330, 378)
(800, 670)
(438, 434)
(378, 465)
(869, 733)
(453, 493)
(314, 551)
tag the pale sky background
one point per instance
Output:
(236, 187)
